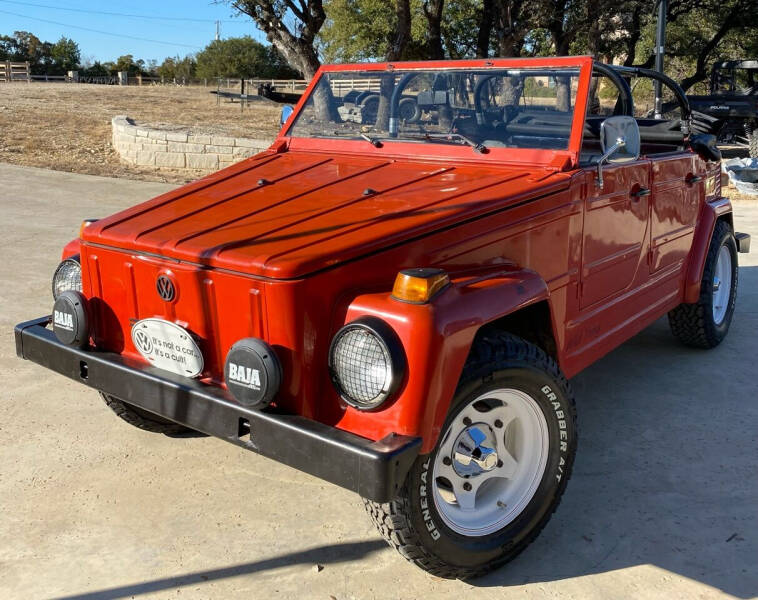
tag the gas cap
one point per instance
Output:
(70, 323)
(252, 372)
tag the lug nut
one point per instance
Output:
(499, 463)
(467, 486)
(466, 421)
(498, 423)
(446, 461)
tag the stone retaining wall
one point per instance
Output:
(179, 148)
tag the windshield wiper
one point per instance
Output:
(480, 148)
(373, 141)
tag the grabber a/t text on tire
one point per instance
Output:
(499, 468)
(705, 323)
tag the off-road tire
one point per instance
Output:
(142, 419)
(753, 144)
(496, 358)
(693, 324)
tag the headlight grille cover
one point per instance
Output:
(366, 362)
(68, 276)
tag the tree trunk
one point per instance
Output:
(433, 13)
(395, 50)
(485, 29)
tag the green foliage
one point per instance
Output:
(65, 54)
(177, 68)
(361, 30)
(242, 57)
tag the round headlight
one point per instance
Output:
(68, 276)
(366, 362)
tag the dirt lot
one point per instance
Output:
(67, 127)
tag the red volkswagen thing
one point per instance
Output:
(393, 296)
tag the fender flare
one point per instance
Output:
(71, 249)
(711, 212)
(437, 339)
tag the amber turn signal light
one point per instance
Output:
(86, 223)
(419, 285)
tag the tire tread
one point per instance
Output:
(128, 414)
(688, 321)
(493, 351)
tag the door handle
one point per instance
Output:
(640, 193)
(693, 179)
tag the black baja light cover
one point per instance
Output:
(70, 323)
(252, 372)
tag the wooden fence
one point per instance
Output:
(15, 71)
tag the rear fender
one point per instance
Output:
(712, 211)
(437, 338)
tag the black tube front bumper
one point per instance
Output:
(375, 470)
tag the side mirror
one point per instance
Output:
(704, 145)
(620, 142)
(287, 111)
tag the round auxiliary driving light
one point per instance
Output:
(70, 323)
(68, 276)
(366, 362)
(252, 372)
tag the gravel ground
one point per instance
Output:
(661, 505)
(67, 127)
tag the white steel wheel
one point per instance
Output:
(490, 462)
(722, 284)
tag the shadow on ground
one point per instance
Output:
(665, 473)
(666, 468)
(332, 554)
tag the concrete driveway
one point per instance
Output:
(663, 502)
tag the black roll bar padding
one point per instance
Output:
(625, 92)
(395, 102)
(478, 98)
(681, 97)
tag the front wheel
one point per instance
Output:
(142, 419)
(498, 470)
(705, 323)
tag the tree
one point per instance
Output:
(177, 68)
(433, 13)
(65, 54)
(291, 26)
(242, 57)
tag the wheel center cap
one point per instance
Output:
(474, 451)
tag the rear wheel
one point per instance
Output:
(705, 323)
(498, 470)
(142, 419)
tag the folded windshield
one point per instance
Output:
(492, 108)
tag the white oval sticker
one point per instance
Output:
(167, 346)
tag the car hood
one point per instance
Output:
(288, 215)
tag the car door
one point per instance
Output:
(678, 186)
(615, 232)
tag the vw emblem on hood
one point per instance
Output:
(165, 287)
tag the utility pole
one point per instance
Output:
(660, 42)
(218, 30)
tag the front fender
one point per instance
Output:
(437, 338)
(71, 249)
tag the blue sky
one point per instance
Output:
(170, 36)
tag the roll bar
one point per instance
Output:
(681, 97)
(617, 74)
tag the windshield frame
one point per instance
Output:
(416, 150)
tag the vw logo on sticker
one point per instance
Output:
(143, 342)
(167, 346)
